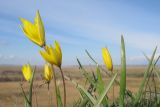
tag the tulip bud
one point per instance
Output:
(48, 73)
(107, 59)
(27, 72)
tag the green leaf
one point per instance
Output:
(153, 75)
(25, 103)
(140, 91)
(84, 102)
(24, 95)
(123, 74)
(97, 63)
(99, 83)
(30, 87)
(117, 82)
(86, 75)
(28, 101)
(91, 57)
(100, 86)
(153, 65)
(82, 90)
(60, 104)
(88, 95)
(103, 94)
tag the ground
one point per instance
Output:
(11, 77)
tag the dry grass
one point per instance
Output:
(10, 77)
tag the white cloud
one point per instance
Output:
(140, 59)
(147, 41)
(7, 57)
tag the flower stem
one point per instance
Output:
(113, 92)
(54, 77)
(64, 86)
(113, 89)
(55, 86)
(35, 93)
(49, 102)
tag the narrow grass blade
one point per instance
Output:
(153, 65)
(123, 74)
(24, 95)
(83, 103)
(101, 97)
(25, 103)
(82, 90)
(91, 57)
(97, 63)
(30, 87)
(153, 77)
(152, 69)
(140, 91)
(99, 83)
(158, 75)
(100, 86)
(60, 104)
(86, 75)
(84, 99)
(117, 82)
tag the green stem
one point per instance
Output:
(113, 88)
(36, 98)
(49, 100)
(64, 85)
(55, 86)
(24, 95)
(113, 92)
(54, 76)
(155, 90)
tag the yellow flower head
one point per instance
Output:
(34, 31)
(53, 55)
(107, 59)
(48, 73)
(27, 71)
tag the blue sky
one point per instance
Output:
(80, 25)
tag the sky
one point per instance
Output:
(80, 25)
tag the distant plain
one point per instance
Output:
(11, 77)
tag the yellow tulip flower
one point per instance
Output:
(27, 71)
(34, 31)
(48, 73)
(107, 59)
(53, 55)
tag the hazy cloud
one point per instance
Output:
(7, 57)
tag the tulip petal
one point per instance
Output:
(30, 31)
(27, 72)
(34, 31)
(47, 57)
(40, 27)
(48, 73)
(53, 55)
(58, 52)
(107, 59)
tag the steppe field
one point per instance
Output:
(11, 77)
